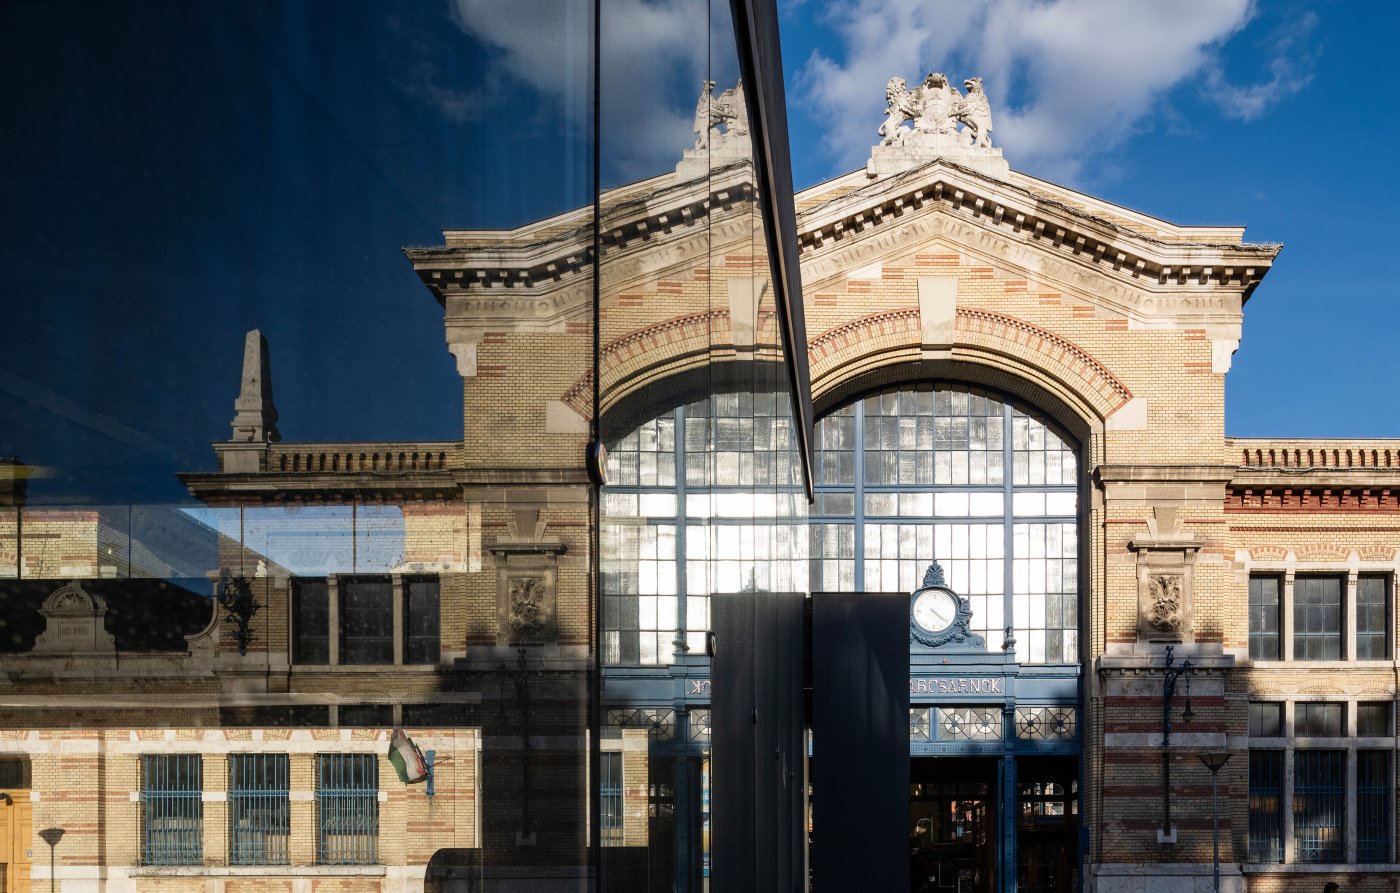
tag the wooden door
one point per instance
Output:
(16, 839)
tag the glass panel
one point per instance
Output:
(1373, 719)
(1266, 806)
(1373, 805)
(310, 622)
(1319, 805)
(1317, 618)
(366, 621)
(1312, 719)
(1263, 618)
(1372, 615)
(1265, 719)
(422, 642)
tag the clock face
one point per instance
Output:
(935, 610)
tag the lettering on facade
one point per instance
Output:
(697, 687)
(956, 686)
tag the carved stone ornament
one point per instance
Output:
(1164, 597)
(75, 624)
(944, 123)
(1166, 569)
(527, 610)
(527, 581)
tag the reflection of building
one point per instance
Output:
(1017, 380)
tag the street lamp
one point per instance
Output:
(1215, 761)
(51, 836)
(1169, 680)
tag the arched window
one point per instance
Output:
(702, 499)
(946, 472)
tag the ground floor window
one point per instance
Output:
(172, 809)
(347, 809)
(1319, 805)
(259, 809)
(1266, 806)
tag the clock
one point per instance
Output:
(935, 610)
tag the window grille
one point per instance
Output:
(1319, 804)
(172, 810)
(1373, 800)
(1263, 618)
(610, 808)
(258, 809)
(1317, 618)
(700, 725)
(1265, 806)
(969, 723)
(1371, 617)
(1047, 723)
(422, 644)
(919, 723)
(347, 809)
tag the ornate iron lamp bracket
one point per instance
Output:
(235, 596)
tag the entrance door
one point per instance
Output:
(952, 824)
(16, 833)
(1047, 821)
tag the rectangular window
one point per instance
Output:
(1319, 719)
(310, 622)
(1319, 805)
(420, 622)
(172, 810)
(1265, 719)
(1373, 799)
(1266, 806)
(1263, 618)
(258, 809)
(610, 809)
(366, 620)
(1317, 618)
(1373, 719)
(1372, 639)
(347, 809)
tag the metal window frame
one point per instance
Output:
(610, 805)
(259, 809)
(1264, 841)
(347, 809)
(172, 809)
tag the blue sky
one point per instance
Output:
(182, 172)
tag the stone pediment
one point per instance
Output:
(1125, 264)
(1153, 272)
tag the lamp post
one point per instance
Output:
(51, 836)
(1215, 761)
(1169, 681)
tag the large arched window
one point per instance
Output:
(946, 472)
(701, 499)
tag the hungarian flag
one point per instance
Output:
(407, 758)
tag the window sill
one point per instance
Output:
(258, 871)
(1340, 664)
(1319, 867)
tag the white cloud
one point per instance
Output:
(1067, 78)
(654, 55)
(1290, 70)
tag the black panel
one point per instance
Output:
(757, 742)
(860, 741)
(761, 65)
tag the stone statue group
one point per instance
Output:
(728, 109)
(936, 109)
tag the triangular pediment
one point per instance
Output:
(1113, 258)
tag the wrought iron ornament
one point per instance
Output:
(235, 596)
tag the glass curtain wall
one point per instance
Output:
(704, 489)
